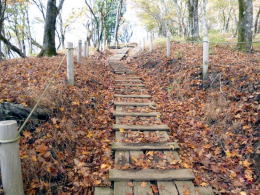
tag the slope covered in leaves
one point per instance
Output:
(216, 127)
(69, 153)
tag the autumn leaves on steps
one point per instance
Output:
(146, 159)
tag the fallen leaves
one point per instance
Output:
(216, 127)
(71, 151)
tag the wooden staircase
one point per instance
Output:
(136, 115)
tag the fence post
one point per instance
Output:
(168, 45)
(79, 51)
(10, 162)
(70, 64)
(205, 57)
(87, 48)
(151, 42)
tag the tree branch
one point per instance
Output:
(11, 46)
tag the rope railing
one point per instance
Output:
(214, 42)
(49, 83)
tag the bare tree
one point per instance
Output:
(49, 46)
(193, 19)
(6, 41)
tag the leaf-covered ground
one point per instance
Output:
(217, 127)
(70, 153)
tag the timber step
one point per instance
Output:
(117, 127)
(140, 114)
(151, 175)
(133, 81)
(131, 85)
(133, 104)
(164, 187)
(132, 96)
(145, 146)
(103, 191)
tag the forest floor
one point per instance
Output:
(216, 127)
(71, 152)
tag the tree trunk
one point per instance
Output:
(193, 19)
(118, 15)
(49, 46)
(245, 24)
(256, 21)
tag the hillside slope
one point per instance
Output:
(70, 152)
(217, 127)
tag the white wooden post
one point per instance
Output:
(168, 45)
(151, 42)
(79, 51)
(205, 57)
(10, 162)
(70, 64)
(85, 49)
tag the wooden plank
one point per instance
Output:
(141, 128)
(122, 188)
(133, 104)
(144, 114)
(142, 188)
(133, 81)
(103, 191)
(204, 191)
(131, 85)
(119, 136)
(131, 90)
(151, 174)
(172, 156)
(122, 158)
(185, 187)
(145, 146)
(167, 188)
(133, 96)
(135, 155)
(164, 136)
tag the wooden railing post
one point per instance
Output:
(10, 162)
(151, 42)
(205, 57)
(79, 51)
(70, 64)
(168, 45)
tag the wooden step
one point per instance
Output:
(133, 96)
(133, 104)
(140, 114)
(131, 85)
(122, 188)
(184, 187)
(141, 128)
(145, 146)
(133, 81)
(167, 188)
(151, 175)
(103, 191)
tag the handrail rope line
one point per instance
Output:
(214, 42)
(35, 106)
